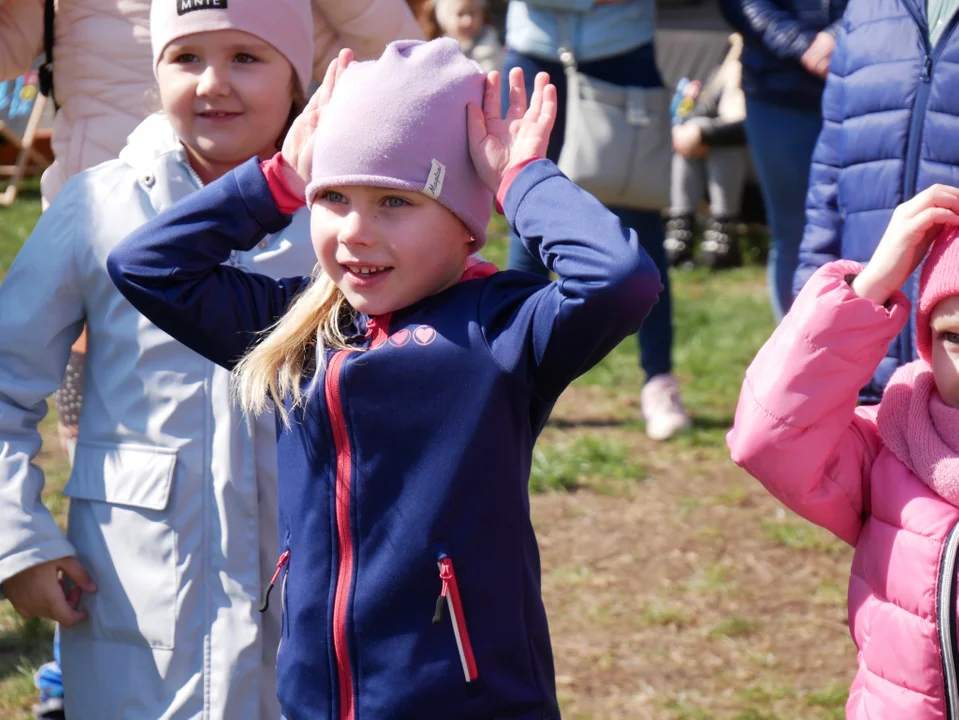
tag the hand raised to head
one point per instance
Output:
(499, 143)
(297, 151)
(914, 226)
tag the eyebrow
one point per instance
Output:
(948, 323)
(248, 46)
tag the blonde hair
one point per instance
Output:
(275, 367)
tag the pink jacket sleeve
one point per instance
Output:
(21, 36)
(797, 429)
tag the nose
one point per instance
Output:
(214, 81)
(356, 229)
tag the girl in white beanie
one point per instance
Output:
(172, 525)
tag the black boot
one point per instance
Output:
(49, 709)
(721, 244)
(679, 240)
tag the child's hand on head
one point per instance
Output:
(499, 143)
(297, 150)
(912, 229)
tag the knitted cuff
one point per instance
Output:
(287, 201)
(69, 397)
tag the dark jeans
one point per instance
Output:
(782, 140)
(637, 68)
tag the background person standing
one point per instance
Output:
(787, 48)
(891, 119)
(612, 41)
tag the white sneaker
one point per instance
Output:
(662, 408)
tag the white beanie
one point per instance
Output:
(287, 25)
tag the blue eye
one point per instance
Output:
(185, 59)
(245, 58)
(951, 337)
(334, 197)
(395, 202)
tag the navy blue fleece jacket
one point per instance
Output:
(411, 575)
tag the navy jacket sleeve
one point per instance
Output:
(171, 268)
(822, 238)
(606, 283)
(763, 22)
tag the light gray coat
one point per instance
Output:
(172, 493)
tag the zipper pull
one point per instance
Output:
(279, 568)
(926, 73)
(446, 574)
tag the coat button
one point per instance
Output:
(262, 244)
(149, 180)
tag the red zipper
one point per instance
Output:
(284, 558)
(345, 566)
(450, 592)
(378, 330)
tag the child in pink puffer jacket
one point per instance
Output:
(884, 478)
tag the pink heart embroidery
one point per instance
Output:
(400, 338)
(424, 335)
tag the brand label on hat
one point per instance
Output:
(434, 183)
(185, 6)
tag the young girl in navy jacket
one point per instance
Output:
(410, 381)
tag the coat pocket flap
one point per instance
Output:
(136, 475)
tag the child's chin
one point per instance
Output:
(369, 306)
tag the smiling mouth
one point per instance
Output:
(217, 114)
(367, 270)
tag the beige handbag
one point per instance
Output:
(618, 143)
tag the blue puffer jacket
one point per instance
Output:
(891, 115)
(777, 33)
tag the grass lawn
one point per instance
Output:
(676, 587)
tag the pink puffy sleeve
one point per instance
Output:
(797, 428)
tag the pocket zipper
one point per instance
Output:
(280, 564)
(284, 619)
(450, 593)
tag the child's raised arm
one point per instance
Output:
(606, 283)
(797, 428)
(171, 269)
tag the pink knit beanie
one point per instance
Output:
(400, 122)
(939, 280)
(287, 25)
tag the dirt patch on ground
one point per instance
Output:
(690, 592)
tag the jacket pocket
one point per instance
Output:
(450, 598)
(123, 534)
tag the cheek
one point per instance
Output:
(177, 92)
(267, 95)
(945, 369)
(273, 108)
(323, 237)
(434, 263)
